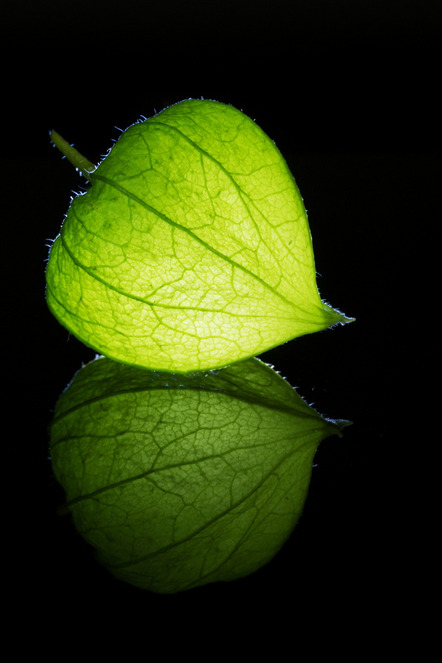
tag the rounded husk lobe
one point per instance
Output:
(191, 249)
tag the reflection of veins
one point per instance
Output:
(196, 461)
(210, 522)
(245, 397)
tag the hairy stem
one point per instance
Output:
(80, 162)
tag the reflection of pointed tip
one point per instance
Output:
(337, 425)
(341, 424)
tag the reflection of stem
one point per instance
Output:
(62, 510)
(78, 160)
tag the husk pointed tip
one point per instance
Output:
(336, 317)
(345, 320)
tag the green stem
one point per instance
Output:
(77, 160)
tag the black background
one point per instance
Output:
(349, 92)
